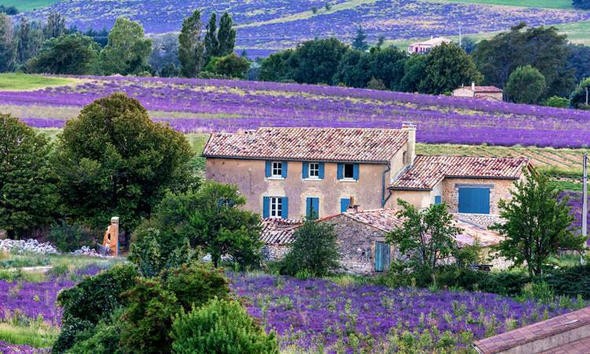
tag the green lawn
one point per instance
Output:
(26, 5)
(549, 4)
(23, 82)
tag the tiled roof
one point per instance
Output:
(278, 231)
(548, 331)
(309, 144)
(488, 89)
(428, 171)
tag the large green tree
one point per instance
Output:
(55, 25)
(536, 223)
(191, 49)
(525, 85)
(229, 66)
(211, 43)
(316, 61)
(580, 97)
(579, 61)
(127, 49)
(277, 67)
(114, 161)
(540, 47)
(226, 36)
(7, 44)
(68, 54)
(29, 40)
(426, 236)
(27, 185)
(447, 67)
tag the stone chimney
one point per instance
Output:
(411, 148)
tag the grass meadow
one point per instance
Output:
(27, 5)
(24, 82)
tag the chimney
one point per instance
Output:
(411, 152)
(473, 86)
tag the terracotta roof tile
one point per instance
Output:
(538, 331)
(488, 89)
(428, 171)
(278, 231)
(309, 144)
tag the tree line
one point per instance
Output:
(50, 47)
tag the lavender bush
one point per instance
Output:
(192, 105)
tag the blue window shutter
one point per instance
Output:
(284, 169)
(304, 169)
(315, 204)
(437, 199)
(321, 171)
(340, 171)
(378, 261)
(285, 211)
(382, 256)
(265, 207)
(355, 171)
(267, 168)
(344, 204)
(312, 207)
(474, 200)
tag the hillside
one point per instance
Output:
(277, 24)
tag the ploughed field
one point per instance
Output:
(266, 26)
(194, 105)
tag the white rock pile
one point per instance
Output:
(87, 251)
(27, 246)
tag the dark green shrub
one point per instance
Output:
(102, 339)
(570, 282)
(93, 299)
(70, 237)
(221, 327)
(314, 251)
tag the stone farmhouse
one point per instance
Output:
(426, 46)
(485, 92)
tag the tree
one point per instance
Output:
(226, 36)
(29, 39)
(277, 67)
(387, 65)
(537, 223)
(210, 218)
(447, 67)
(353, 69)
(127, 49)
(540, 47)
(68, 54)
(579, 61)
(316, 61)
(580, 97)
(55, 26)
(229, 66)
(581, 4)
(27, 185)
(525, 85)
(426, 236)
(314, 251)
(9, 10)
(360, 40)
(164, 57)
(7, 45)
(414, 69)
(211, 42)
(113, 160)
(191, 48)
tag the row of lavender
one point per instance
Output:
(223, 105)
(263, 25)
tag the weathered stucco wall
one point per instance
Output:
(249, 176)
(419, 199)
(499, 189)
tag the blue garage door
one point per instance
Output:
(474, 200)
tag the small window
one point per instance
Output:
(314, 170)
(348, 170)
(276, 207)
(277, 169)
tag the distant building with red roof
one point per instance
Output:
(485, 92)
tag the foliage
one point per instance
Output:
(229, 66)
(447, 67)
(542, 48)
(570, 281)
(115, 161)
(7, 45)
(414, 71)
(316, 61)
(226, 36)
(90, 301)
(426, 237)
(537, 224)
(314, 250)
(27, 185)
(579, 61)
(578, 96)
(9, 10)
(210, 217)
(55, 25)
(210, 41)
(556, 101)
(68, 54)
(190, 47)
(277, 67)
(68, 237)
(223, 325)
(127, 49)
(29, 39)
(164, 58)
(525, 84)
(581, 4)
(102, 339)
(360, 40)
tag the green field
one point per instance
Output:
(27, 5)
(23, 82)
(548, 4)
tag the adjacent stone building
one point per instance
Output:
(485, 92)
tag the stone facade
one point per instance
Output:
(499, 189)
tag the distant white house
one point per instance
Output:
(426, 46)
(486, 92)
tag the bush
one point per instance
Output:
(220, 326)
(570, 281)
(102, 339)
(314, 251)
(70, 332)
(556, 101)
(70, 237)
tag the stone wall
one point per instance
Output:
(273, 253)
(500, 189)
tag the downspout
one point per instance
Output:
(383, 199)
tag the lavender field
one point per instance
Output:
(193, 105)
(291, 22)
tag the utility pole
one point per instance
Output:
(586, 95)
(585, 197)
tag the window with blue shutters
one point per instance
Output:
(312, 207)
(437, 199)
(276, 169)
(312, 170)
(275, 207)
(344, 204)
(382, 256)
(349, 171)
(474, 200)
